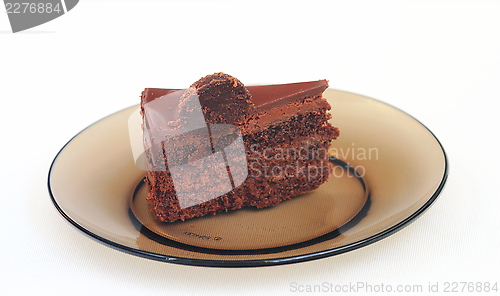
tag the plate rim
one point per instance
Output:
(257, 262)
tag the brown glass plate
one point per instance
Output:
(389, 170)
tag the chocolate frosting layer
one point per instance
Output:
(261, 97)
(269, 96)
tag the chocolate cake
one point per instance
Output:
(221, 146)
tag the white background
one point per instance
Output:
(437, 60)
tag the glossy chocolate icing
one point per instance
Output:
(263, 96)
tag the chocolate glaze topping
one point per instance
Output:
(217, 92)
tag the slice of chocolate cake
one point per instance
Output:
(221, 146)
